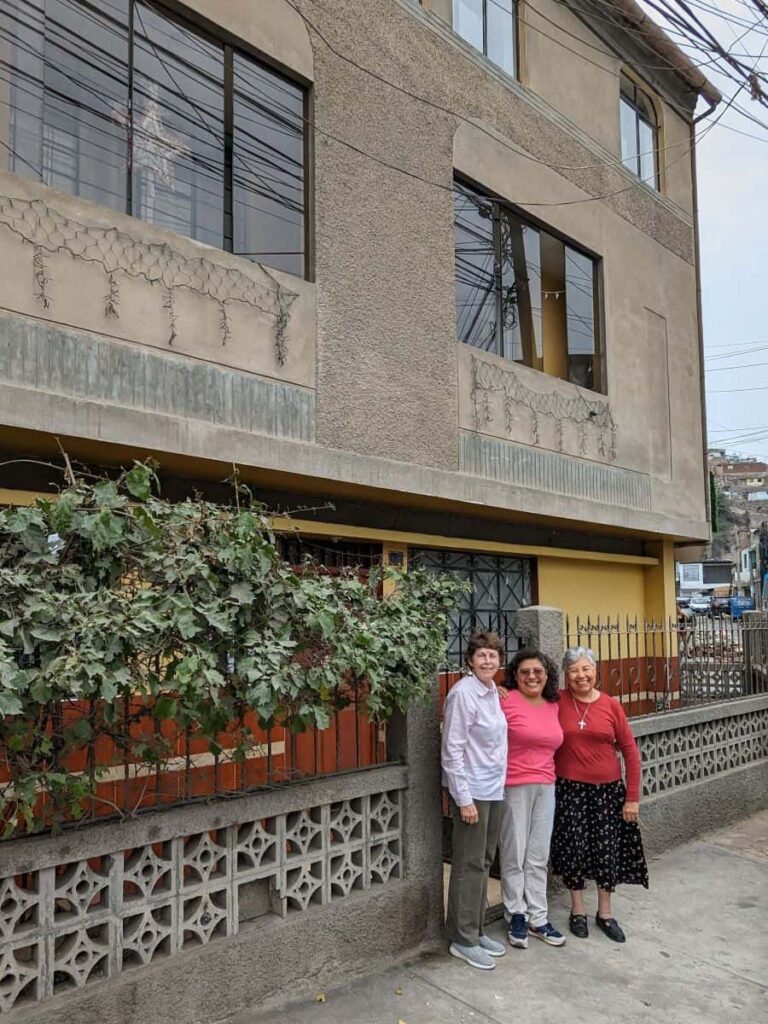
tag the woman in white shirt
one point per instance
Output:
(474, 760)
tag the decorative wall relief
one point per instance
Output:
(47, 231)
(590, 417)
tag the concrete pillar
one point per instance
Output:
(414, 739)
(542, 627)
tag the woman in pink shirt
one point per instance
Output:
(530, 705)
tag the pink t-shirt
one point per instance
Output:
(534, 735)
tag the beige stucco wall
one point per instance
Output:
(585, 87)
(167, 292)
(375, 335)
(650, 336)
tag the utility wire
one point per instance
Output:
(739, 366)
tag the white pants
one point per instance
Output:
(526, 829)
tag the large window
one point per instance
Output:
(499, 586)
(523, 293)
(123, 103)
(491, 27)
(639, 133)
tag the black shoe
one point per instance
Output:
(578, 925)
(610, 926)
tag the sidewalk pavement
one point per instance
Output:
(696, 951)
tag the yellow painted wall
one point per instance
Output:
(582, 588)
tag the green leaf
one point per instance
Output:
(105, 530)
(327, 622)
(166, 707)
(43, 632)
(139, 482)
(106, 495)
(79, 732)
(242, 593)
(10, 703)
(63, 511)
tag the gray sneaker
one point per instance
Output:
(491, 946)
(473, 955)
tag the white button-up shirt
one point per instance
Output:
(474, 749)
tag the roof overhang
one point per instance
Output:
(626, 27)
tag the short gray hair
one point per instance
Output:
(574, 654)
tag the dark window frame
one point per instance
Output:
(230, 45)
(636, 97)
(515, 72)
(498, 202)
(490, 605)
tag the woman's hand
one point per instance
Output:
(468, 814)
(630, 811)
(503, 691)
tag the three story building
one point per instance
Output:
(426, 271)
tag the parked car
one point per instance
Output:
(739, 605)
(701, 604)
(721, 606)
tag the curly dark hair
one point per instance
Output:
(551, 691)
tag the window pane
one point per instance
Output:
(645, 108)
(178, 146)
(553, 311)
(501, 34)
(647, 155)
(475, 270)
(468, 21)
(69, 95)
(580, 313)
(520, 290)
(268, 167)
(628, 136)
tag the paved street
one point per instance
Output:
(697, 951)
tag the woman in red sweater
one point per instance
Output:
(596, 835)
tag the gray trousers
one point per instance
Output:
(474, 847)
(526, 830)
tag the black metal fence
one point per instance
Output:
(658, 666)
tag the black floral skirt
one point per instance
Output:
(591, 840)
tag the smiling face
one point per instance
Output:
(485, 663)
(531, 678)
(581, 678)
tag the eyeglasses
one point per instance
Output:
(538, 672)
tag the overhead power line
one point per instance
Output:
(739, 366)
(737, 391)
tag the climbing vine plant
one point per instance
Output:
(116, 604)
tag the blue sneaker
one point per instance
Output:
(517, 931)
(547, 934)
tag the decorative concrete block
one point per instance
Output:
(72, 924)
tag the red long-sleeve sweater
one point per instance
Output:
(591, 754)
